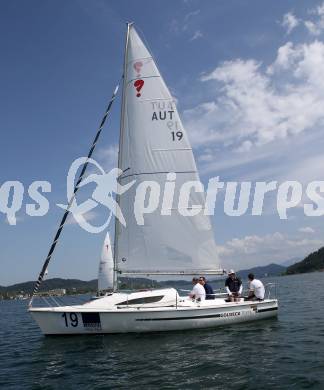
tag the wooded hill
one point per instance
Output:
(311, 263)
(72, 286)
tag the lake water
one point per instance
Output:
(283, 353)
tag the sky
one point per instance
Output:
(247, 78)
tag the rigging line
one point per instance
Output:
(76, 187)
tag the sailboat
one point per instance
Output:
(106, 268)
(153, 146)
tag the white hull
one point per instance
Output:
(93, 318)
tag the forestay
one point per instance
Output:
(153, 144)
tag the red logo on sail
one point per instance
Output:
(138, 85)
(138, 66)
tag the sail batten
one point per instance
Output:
(154, 144)
(152, 173)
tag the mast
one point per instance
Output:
(121, 135)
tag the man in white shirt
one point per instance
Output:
(256, 289)
(198, 292)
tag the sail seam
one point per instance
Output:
(154, 99)
(153, 173)
(140, 58)
(144, 77)
(169, 150)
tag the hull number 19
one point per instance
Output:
(71, 319)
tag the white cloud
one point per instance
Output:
(308, 168)
(306, 229)
(254, 106)
(312, 27)
(257, 250)
(245, 146)
(316, 26)
(198, 34)
(177, 26)
(290, 22)
(89, 216)
(108, 157)
(286, 55)
(190, 15)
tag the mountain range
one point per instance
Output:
(313, 262)
(80, 286)
(263, 271)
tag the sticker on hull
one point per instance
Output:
(91, 321)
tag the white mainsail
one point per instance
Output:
(106, 267)
(154, 143)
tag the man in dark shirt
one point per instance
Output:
(208, 288)
(233, 286)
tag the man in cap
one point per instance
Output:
(233, 286)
